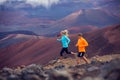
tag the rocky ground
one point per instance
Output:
(101, 68)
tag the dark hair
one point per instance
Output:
(80, 34)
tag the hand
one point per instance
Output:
(76, 45)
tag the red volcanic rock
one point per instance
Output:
(20, 18)
(95, 17)
(40, 51)
(77, 29)
(104, 41)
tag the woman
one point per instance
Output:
(64, 39)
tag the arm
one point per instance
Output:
(82, 43)
(85, 43)
(68, 40)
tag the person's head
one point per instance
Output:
(64, 32)
(80, 35)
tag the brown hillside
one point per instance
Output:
(40, 51)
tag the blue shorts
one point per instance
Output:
(81, 54)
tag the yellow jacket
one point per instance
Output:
(82, 44)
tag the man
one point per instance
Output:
(81, 44)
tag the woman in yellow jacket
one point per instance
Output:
(81, 44)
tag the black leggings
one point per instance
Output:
(64, 50)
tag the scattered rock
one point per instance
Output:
(6, 72)
(2, 78)
(32, 77)
(59, 75)
(34, 69)
(53, 62)
(111, 70)
(92, 68)
(97, 70)
(59, 67)
(13, 77)
(113, 75)
(92, 78)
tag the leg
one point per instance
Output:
(78, 60)
(86, 60)
(61, 52)
(66, 50)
